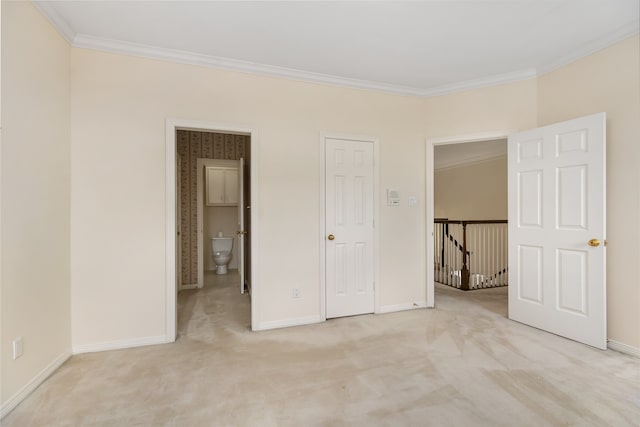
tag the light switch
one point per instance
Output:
(17, 348)
(393, 197)
(413, 201)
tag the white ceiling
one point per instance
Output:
(451, 155)
(418, 48)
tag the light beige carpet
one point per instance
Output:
(461, 364)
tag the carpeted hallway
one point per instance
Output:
(461, 364)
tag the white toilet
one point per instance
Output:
(221, 249)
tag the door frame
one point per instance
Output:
(429, 202)
(178, 221)
(322, 226)
(171, 126)
(203, 163)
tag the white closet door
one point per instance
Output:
(349, 225)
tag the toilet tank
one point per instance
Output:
(221, 244)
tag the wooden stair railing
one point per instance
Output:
(487, 251)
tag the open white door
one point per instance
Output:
(557, 229)
(241, 230)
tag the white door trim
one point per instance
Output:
(429, 178)
(201, 164)
(171, 125)
(376, 215)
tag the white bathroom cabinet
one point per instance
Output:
(222, 186)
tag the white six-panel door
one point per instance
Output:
(349, 205)
(556, 210)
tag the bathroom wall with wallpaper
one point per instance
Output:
(191, 146)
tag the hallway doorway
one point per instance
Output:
(449, 161)
(470, 209)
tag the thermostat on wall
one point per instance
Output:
(393, 197)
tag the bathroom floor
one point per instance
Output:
(461, 364)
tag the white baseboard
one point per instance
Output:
(285, 323)
(28, 388)
(119, 344)
(623, 348)
(401, 307)
(192, 286)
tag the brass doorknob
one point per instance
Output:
(331, 237)
(594, 242)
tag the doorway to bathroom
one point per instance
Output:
(221, 219)
(212, 183)
(212, 190)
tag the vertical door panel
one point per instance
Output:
(571, 193)
(340, 269)
(530, 274)
(340, 205)
(530, 199)
(571, 280)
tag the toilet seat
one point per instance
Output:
(221, 256)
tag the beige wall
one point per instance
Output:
(505, 107)
(35, 195)
(119, 206)
(118, 109)
(497, 108)
(473, 191)
(119, 222)
(609, 81)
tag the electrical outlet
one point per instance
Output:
(295, 293)
(17, 348)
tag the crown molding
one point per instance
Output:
(152, 52)
(472, 137)
(479, 83)
(629, 30)
(469, 161)
(56, 20)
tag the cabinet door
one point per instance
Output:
(231, 186)
(215, 186)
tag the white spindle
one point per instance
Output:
(487, 262)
